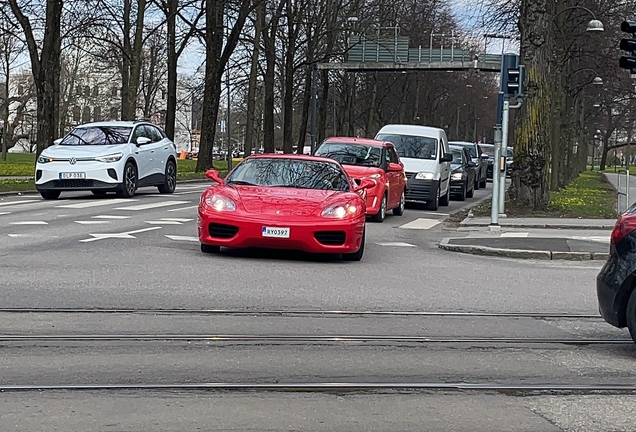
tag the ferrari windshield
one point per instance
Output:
(97, 135)
(288, 172)
(351, 154)
(414, 147)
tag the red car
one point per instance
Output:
(277, 201)
(364, 158)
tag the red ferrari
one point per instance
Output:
(378, 161)
(284, 202)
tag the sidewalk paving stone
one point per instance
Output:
(562, 223)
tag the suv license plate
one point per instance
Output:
(72, 175)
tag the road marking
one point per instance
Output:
(421, 224)
(20, 235)
(176, 219)
(514, 234)
(162, 222)
(4, 213)
(184, 208)
(152, 205)
(30, 223)
(111, 217)
(124, 235)
(398, 244)
(92, 222)
(12, 203)
(182, 238)
(102, 202)
(600, 239)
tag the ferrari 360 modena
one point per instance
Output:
(296, 202)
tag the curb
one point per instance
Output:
(522, 253)
(538, 225)
(31, 191)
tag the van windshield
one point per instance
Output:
(409, 146)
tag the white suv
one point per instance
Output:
(115, 156)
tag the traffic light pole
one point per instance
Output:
(494, 207)
(502, 157)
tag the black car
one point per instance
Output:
(489, 152)
(479, 158)
(616, 281)
(462, 183)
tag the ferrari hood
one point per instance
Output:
(282, 201)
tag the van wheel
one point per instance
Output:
(434, 205)
(445, 200)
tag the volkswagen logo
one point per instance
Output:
(72, 161)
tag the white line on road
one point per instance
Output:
(184, 208)
(514, 234)
(163, 222)
(182, 238)
(102, 202)
(12, 203)
(152, 205)
(398, 244)
(124, 235)
(176, 219)
(111, 217)
(92, 222)
(4, 213)
(30, 223)
(421, 224)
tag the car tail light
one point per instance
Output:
(625, 225)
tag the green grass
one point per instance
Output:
(589, 196)
(18, 164)
(17, 185)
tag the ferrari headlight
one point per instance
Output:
(339, 211)
(44, 159)
(457, 176)
(424, 176)
(220, 203)
(110, 158)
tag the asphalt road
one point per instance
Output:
(105, 253)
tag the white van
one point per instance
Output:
(426, 157)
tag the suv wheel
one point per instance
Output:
(129, 185)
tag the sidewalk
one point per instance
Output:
(613, 179)
(534, 238)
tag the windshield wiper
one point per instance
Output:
(240, 182)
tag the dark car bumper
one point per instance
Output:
(78, 185)
(456, 187)
(614, 285)
(420, 190)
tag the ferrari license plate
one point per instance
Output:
(72, 175)
(276, 232)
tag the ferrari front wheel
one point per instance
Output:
(356, 256)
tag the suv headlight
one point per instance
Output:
(424, 176)
(220, 203)
(110, 158)
(339, 211)
(44, 159)
(457, 176)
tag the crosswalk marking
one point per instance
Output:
(182, 238)
(124, 235)
(30, 223)
(398, 244)
(102, 202)
(111, 217)
(152, 205)
(514, 234)
(13, 203)
(184, 208)
(92, 222)
(421, 224)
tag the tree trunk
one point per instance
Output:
(126, 57)
(130, 112)
(374, 97)
(288, 95)
(171, 97)
(529, 186)
(253, 82)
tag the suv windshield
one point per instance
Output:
(351, 154)
(415, 147)
(294, 173)
(458, 155)
(97, 135)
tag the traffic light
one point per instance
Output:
(628, 62)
